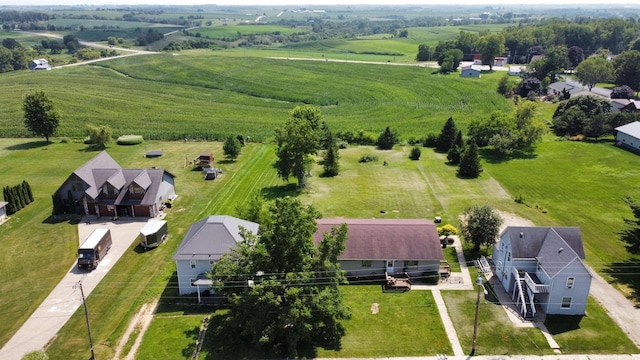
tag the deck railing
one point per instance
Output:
(535, 287)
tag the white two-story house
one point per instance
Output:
(542, 268)
(205, 243)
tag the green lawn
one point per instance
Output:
(407, 324)
(587, 334)
(496, 333)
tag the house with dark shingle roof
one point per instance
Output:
(542, 268)
(102, 187)
(376, 246)
(204, 244)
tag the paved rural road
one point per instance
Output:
(621, 310)
(63, 301)
(129, 52)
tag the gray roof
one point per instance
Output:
(380, 239)
(527, 241)
(553, 247)
(103, 169)
(3, 204)
(632, 129)
(212, 237)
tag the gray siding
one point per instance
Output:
(186, 274)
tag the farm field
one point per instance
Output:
(198, 94)
(219, 32)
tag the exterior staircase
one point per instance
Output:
(527, 310)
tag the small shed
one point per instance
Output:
(470, 71)
(204, 159)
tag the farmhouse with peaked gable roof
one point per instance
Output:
(542, 267)
(39, 64)
(101, 187)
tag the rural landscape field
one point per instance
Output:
(188, 101)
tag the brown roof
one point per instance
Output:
(380, 239)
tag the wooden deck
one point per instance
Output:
(396, 283)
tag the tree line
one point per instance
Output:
(17, 197)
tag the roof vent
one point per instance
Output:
(560, 250)
(521, 234)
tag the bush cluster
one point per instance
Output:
(17, 197)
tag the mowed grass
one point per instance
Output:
(171, 337)
(593, 333)
(407, 324)
(580, 184)
(200, 94)
(496, 334)
(49, 249)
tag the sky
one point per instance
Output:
(314, 2)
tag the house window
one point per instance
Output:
(77, 186)
(193, 264)
(408, 263)
(366, 263)
(539, 267)
(570, 281)
(566, 303)
(508, 256)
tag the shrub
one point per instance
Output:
(35, 355)
(430, 141)
(415, 153)
(130, 140)
(64, 140)
(447, 229)
(622, 92)
(368, 158)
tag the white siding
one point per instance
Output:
(579, 293)
(186, 274)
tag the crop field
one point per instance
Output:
(202, 95)
(219, 32)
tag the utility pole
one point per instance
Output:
(86, 315)
(475, 323)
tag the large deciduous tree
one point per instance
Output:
(99, 135)
(631, 232)
(575, 55)
(491, 46)
(283, 292)
(480, 225)
(232, 147)
(570, 115)
(40, 117)
(424, 53)
(297, 141)
(594, 70)
(627, 69)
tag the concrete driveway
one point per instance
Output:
(65, 298)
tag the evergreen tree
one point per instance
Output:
(8, 197)
(387, 139)
(331, 156)
(447, 135)
(470, 163)
(25, 193)
(456, 150)
(29, 192)
(16, 199)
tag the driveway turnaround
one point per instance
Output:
(65, 298)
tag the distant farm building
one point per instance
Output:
(39, 64)
(470, 71)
